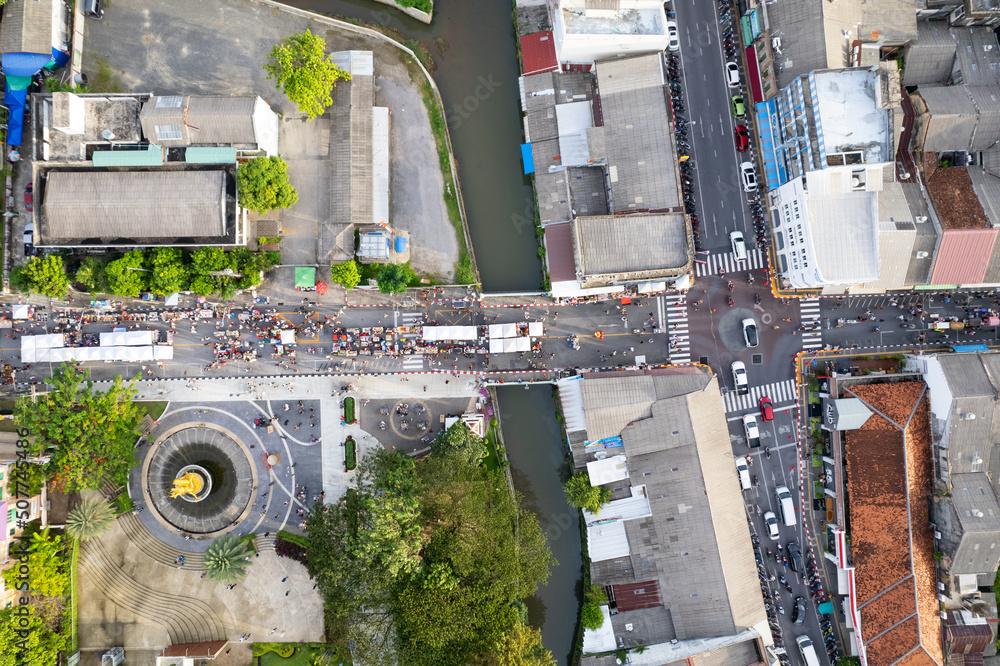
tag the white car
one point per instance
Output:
(740, 378)
(743, 471)
(732, 74)
(674, 43)
(751, 430)
(771, 521)
(750, 332)
(739, 246)
(748, 177)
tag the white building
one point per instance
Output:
(843, 228)
(588, 30)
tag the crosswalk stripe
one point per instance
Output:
(777, 391)
(726, 262)
(414, 363)
(809, 312)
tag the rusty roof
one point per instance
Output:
(889, 472)
(633, 596)
(955, 199)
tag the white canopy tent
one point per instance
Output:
(288, 337)
(535, 329)
(20, 311)
(449, 333)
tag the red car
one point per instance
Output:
(29, 198)
(742, 138)
(766, 413)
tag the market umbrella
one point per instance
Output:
(321, 287)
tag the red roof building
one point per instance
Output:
(538, 51)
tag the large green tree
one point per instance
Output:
(393, 278)
(303, 70)
(521, 646)
(26, 640)
(204, 262)
(90, 519)
(170, 273)
(42, 275)
(460, 438)
(346, 273)
(581, 494)
(91, 274)
(128, 276)
(89, 434)
(47, 567)
(262, 185)
(591, 616)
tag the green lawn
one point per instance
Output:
(303, 656)
(492, 440)
(154, 409)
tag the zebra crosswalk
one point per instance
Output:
(677, 328)
(411, 318)
(780, 393)
(809, 310)
(725, 261)
(413, 363)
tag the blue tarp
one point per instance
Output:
(969, 348)
(17, 67)
(527, 156)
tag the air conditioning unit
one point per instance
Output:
(969, 417)
(937, 535)
(922, 255)
(920, 219)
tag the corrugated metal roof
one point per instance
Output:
(930, 56)
(629, 508)
(151, 155)
(977, 54)
(559, 252)
(27, 26)
(380, 164)
(608, 470)
(210, 155)
(195, 120)
(953, 118)
(608, 244)
(571, 402)
(355, 63)
(573, 120)
(606, 540)
(963, 255)
(538, 51)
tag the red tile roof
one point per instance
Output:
(633, 596)
(889, 472)
(538, 51)
(963, 256)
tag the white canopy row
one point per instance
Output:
(126, 338)
(508, 345)
(449, 333)
(512, 330)
(128, 354)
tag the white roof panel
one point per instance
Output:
(380, 164)
(535, 329)
(607, 470)
(600, 640)
(606, 540)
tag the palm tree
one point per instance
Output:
(227, 559)
(90, 519)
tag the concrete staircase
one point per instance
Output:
(156, 549)
(186, 619)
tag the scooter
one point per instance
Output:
(381, 426)
(756, 299)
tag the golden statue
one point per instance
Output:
(191, 483)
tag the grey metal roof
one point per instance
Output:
(987, 189)
(27, 26)
(613, 244)
(587, 190)
(551, 187)
(967, 377)
(952, 118)
(640, 144)
(799, 26)
(987, 101)
(977, 56)
(696, 543)
(351, 169)
(155, 203)
(919, 270)
(978, 513)
(202, 120)
(930, 56)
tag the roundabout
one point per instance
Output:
(199, 479)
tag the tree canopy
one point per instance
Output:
(91, 274)
(424, 557)
(591, 616)
(91, 434)
(127, 276)
(226, 559)
(346, 273)
(581, 494)
(262, 185)
(303, 70)
(90, 519)
(47, 571)
(39, 645)
(393, 278)
(42, 275)
(460, 438)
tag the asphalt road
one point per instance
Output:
(721, 201)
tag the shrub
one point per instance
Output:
(349, 410)
(351, 453)
(292, 551)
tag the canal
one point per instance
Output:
(477, 74)
(536, 450)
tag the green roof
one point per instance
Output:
(210, 155)
(151, 155)
(305, 276)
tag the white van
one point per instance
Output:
(808, 651)
(785, 505)
(739, 247)
(744, 472)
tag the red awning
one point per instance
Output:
(627, 300)
(753, 74)
(321, 287)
